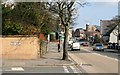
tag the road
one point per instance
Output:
(88, 61)
(42, 69)
(96, 61)
(47, 67)
(108, 52)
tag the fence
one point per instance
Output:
(43, 48)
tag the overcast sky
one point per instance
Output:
(96, 11)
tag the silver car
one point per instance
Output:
(98, 46)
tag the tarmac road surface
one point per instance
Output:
(42, 69)
(95, 61)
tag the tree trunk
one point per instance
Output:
(65, 53)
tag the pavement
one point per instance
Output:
(51, 62)
(51, 58)
(84, 61)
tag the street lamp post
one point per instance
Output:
(59, 32)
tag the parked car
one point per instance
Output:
(110, 46)
(98, 46)
(113, 46)
(117, 46)
(75, 46)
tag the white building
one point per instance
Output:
(113, 35)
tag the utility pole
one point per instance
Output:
(118, 26)
(87, 25)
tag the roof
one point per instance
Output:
(105, 20)
(106, 27)
(108, 33)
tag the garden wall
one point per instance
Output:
(19, 47)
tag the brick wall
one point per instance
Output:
(19, 47)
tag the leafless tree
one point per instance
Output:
(65, 11)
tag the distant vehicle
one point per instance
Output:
(114, 46)
(83, 42)
(75, 46)
(98, 46)
(110, 46)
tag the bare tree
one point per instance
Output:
(64, 10)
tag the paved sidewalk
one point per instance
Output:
(51, 58)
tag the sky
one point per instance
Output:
(96, 11)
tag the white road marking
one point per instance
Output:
(65, 69)
(17, 69)
(74, 70)
(106, 56)
(103, 55)
(8, 70)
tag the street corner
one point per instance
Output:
(73, 59)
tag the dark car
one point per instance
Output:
(83, 42)
(113, 46)
(98, 46)
(110, 46)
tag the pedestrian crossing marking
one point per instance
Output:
(65, 69)
(17, 69)
(74, 70)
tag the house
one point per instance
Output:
(114, 35)
(105, 31)
(91, 31)
(80, 33)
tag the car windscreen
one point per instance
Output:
(98, 44)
